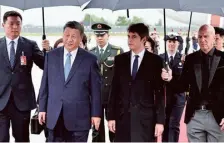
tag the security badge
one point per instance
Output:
(23, 61)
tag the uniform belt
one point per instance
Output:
(204, 107)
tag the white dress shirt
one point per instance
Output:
(169, 55)
(9, 44)
(104, 48)
(73, 53)
(141, 55)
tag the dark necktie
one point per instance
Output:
(101, 53)
(135, 67)
(171, 62)
(12, 54)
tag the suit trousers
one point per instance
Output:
(99, 136)
(20, 121)
(61, 134)
(204, 128)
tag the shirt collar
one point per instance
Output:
(104, 48)
(210, 53)
(9, 40)
(73, 53)
(141, 54)
(169, 55)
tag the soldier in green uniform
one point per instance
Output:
(105, 53)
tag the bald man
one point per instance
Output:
(203, 77)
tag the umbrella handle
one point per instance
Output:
(43, 37)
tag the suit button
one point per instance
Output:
(106, 77)
(105, 70)
(106, 84)
(12, 72)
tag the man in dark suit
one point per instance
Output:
(105, 53)
(175, 102)
(69, 97)
(17, 96)
(219, 38)
(203, 76)
(136, 105)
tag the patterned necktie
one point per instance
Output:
(135, 67)
(67, 67)
(12, 54)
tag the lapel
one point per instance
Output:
(128, 65)
(97, 52)
(3, 47)
(20, 46)
(61, 63)
(177, 59)
(142, 65)
(107, 52)
(215, 63)
(197, 71)
(76, 63)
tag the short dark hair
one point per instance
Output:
(58, 42)
(152, 42)
(140, 28)
(75, 25)
(11, 13)
(84, 39)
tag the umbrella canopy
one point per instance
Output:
(29, 4)
(134, 4)
(216, 11)
(202, 4)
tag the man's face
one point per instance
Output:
(206, 39)
(12, 26)
(102, 39)
(218, 41)
(134, 41)
(172, 45)
(71, 38)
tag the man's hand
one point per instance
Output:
(183, 58)
(158, 130)
(111, 126)
(222, 124)
(96, 122)
(46, 45)
(167, 74)
(42, 117)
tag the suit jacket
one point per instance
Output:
(176, 73)
(148, 89)
(191, 79)
(18, 80)
(106, 67)
(77, 98)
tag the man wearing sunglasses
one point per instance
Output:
(174, 102)
(105, 53)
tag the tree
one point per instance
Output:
(136, 19)
(159, 23)
(90, 19)
(122, 21)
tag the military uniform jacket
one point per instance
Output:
(106, 63)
